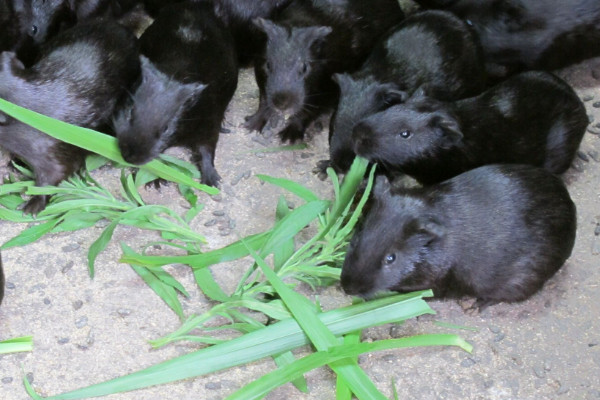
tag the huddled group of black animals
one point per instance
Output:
(438, 95)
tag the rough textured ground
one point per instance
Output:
(87, 331)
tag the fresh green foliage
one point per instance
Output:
(274, 339)
(315, 263)
(16, 345)
(81, 202)
(281, 318)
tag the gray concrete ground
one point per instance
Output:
(86, 331)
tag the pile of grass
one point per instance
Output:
(281, 318)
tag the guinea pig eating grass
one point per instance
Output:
(497, 233)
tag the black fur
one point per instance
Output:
(531, 118)
(522, 35)
(81, 75)
(306, 43)
(40, 20)
(433, 47)
(497, 233)
(189, 75)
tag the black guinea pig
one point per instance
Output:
(497, 233)
(531, 118)
(80, 77)
(189, 75)
(519, 35)
(432, 47)
(306, 43)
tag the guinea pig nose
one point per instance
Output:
(282, 100)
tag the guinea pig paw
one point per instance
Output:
(35, 205)
(321, 169)
(157, 184)
(210, 178)
(291, 134)
(255, 122)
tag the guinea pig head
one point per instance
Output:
(290, 57)
(359, 98)
(407, 132)
(391, 248)
(147, 124)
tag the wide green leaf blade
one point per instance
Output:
(263, 385)
(321, 337)
(96, 142)
(16, 345)
(271, 340)
(30, 234)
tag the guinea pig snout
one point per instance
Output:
(132, 153)
(284, 100)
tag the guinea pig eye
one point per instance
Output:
(268, 66)
(304, 69)
(469, 22)
(390, 258)
(405, 134)
(33, 30)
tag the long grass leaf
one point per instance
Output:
(301, 191)
(263, 385)
(16, 345)
(321, 337)
(99, 245)
(273, 339)
(95, 142)
(206, 282)
(228, 253)
(30, 234)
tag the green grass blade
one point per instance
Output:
(321, 337)
(285, 251)
(100, 244)
(30, 234)
(271, 340)
(288, 358)
(206, 282)
(228, 253)
(301, 191)
(342, 391)
(262, 386)
(95, 142)
(16, 345)
(166, 292)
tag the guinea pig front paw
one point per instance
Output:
(157, 184)
(210, 177)
(35, 205)
(256, 121)
(321, 169)
(291, 134)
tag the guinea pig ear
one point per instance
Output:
(192, 90)
(149, 70)
(269, 27)
(343, 80)
(449, 129)
(422, 93)
(312, 34)
(431, 229)
(389, 94)
(10, 64)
